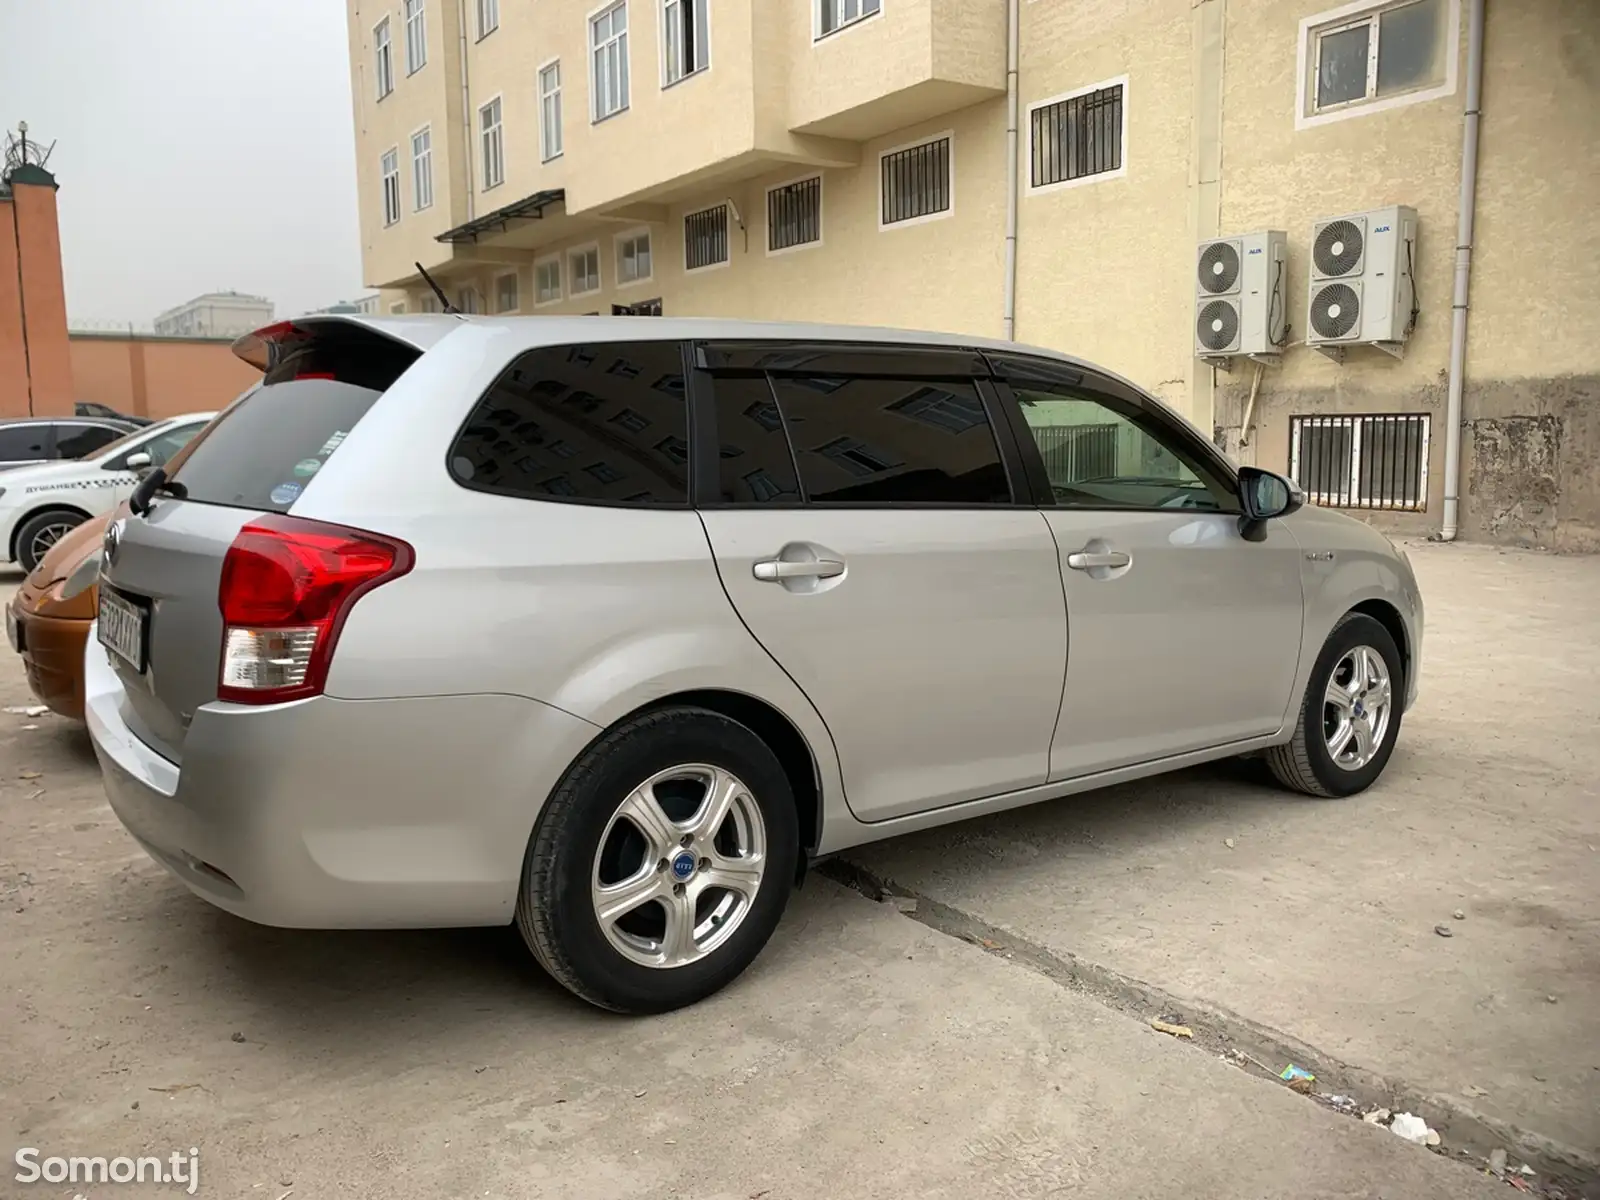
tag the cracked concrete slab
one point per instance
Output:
(1318, 920)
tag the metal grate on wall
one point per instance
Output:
(916, 181)
(1077, 137)
(705, 238)
(1377, 461)
(794, 214)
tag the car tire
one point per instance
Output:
(38, 528)
(1328, 719)
(592, 850)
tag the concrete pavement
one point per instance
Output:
(1318, 922)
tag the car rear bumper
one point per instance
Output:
(340, 814)
(52, 655)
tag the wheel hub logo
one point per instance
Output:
(682, 867)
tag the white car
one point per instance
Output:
(40, 503)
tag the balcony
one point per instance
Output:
(912, 61)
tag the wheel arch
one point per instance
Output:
(781, 736)
(1387, 615)
(16, 529)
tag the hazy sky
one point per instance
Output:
(201, 145)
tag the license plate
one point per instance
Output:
(13, 631)
(122, 628)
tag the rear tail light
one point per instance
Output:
(287, 586)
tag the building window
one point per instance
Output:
(488, 17)
(422, 168)
(915, 182)
(608, 40)
(633, 257)
(550, 111)
(683, 39)
(794, 214)
(1082, 135)
(705, 238)
(603, 472)
(836, 14)
(397, 309)
(547, 281)
(633, 422)
(383, 58)
(416, 36)
(1362, 461)
(1386, 55)
(389, 172)
(506, 297)
(468, 300)
(583, 270)
(494, 155)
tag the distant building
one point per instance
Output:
(362, 304)
(215, 314)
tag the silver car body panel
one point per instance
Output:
(462, 691)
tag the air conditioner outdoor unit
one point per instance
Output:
(1241, 302)
(1361, 285)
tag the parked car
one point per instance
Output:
(91, 408)
(609, 626)
(48, 619)
(39, 503)
(25, 441)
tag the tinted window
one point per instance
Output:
(600, 422)
(18, 443)
(906, 441)
(755, 464)
(265, 447)
(76, 441)
(1102, 452)
(161, 447)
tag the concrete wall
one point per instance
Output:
(157, 377)
(1531, 442)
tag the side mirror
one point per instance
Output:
(138, 462)
(1264, 495)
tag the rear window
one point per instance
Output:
(602, 423)
(262, 452)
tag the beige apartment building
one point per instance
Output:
(850, 161)
(215, 314)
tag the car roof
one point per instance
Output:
(425, 330)
(54, 420)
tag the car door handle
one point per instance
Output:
(775, 570)
(1085, 560)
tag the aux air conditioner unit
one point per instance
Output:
(1361, 286)
(1241, 299)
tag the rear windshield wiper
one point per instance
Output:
(154, 484)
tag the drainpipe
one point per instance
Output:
(1466, 209)
(466, 103)
(1013, 16)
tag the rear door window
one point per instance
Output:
(598, 423)
(79, 441)
(24, 443)
(884, 440)
(264, 449)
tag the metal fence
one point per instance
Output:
(1077, 451)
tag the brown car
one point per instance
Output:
(48, 619)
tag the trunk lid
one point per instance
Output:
(321, 378)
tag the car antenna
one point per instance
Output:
(437, 290)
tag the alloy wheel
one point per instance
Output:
(679, 866)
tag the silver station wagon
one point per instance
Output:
(608, 627)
